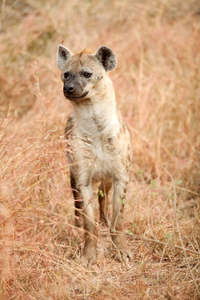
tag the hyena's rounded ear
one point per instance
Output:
(63, 55)
(107, 58)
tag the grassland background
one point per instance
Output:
(157, 83)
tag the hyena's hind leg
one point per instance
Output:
(77, 201)
(103, 192)
(117, 223)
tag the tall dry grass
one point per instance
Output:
(157, 84)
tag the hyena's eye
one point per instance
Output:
(87, 74)
(66, 75)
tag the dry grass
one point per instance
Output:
(157, 85)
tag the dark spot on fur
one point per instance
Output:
(75, 191)
(69, 127)
(122, 208)
(100, 126)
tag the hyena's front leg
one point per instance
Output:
(90, 247)
(117, 224)
(77, 201)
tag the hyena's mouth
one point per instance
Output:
(75, 97)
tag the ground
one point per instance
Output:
(157, 84)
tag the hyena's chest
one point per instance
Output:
(99, 155)
(98, 145)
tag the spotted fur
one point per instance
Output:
(99, 147)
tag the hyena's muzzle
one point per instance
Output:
(72, 88)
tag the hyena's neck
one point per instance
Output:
(98, 116)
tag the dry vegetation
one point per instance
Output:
(157, 85)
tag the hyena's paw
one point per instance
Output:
(120, 252)
(89, 254)
(122, 255)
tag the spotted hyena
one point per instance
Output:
(99, 147)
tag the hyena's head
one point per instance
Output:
(82, 72)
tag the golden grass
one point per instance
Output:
(157, 84)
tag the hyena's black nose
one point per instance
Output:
(70, 87)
